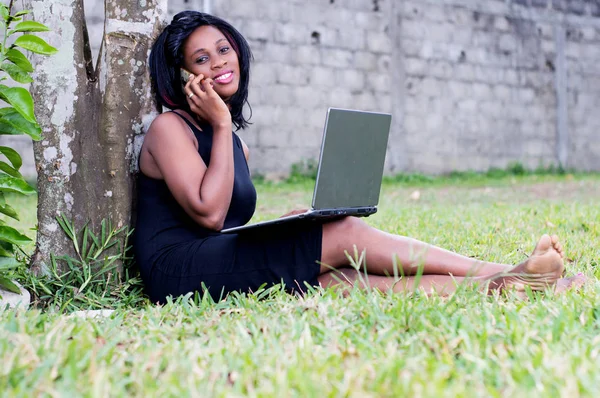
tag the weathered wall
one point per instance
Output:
(472, 84)
(309, 55)
(489, 82)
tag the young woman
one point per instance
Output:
(194, 181)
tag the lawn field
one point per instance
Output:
(366, 344)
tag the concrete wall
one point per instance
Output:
(472, 84)
(309, 55)
(489, 82)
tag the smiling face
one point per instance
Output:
(207, 51)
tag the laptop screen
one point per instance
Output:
(352, 159)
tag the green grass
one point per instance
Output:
(368, 344)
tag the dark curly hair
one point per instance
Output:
(166, 59)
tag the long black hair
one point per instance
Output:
(166, 59)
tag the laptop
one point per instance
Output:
(350, 168)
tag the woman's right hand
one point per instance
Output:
(206, 103)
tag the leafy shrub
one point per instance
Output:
(17, 118)
(91, 280)
(304, 170)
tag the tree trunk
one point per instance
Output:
(92, 118)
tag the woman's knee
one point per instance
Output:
(341, 236)
(346, 228)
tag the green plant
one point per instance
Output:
(512, 170)
(16, 119)
(93, 279)
(303, 170)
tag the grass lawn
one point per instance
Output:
(368, 344)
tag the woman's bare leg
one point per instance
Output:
(442, 285)
(381, 247)
(348, 277)
(544, 267)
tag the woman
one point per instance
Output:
(195, 181)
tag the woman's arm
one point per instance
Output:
(203, 192)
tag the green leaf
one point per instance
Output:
(67, 226)
(28, 26)
(13, 184)
(8, 263)
(13, 156)
(8, 169)
(12, 19)
(16, 73)
(4, 12)
(12, 123)
(10, 212)
(18, 58)
(20, 99)
(8, 285)
(35, 44)
(6, 249)
(21, 13)
(8, 129)
(94, 239)
(11, 235)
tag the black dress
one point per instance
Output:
(176, 255)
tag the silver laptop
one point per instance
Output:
(350, 167)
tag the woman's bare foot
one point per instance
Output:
(574, 282)
(542, 269)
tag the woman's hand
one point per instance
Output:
(206, 103)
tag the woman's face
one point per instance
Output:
(207, 51)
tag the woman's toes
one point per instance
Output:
(574, 282)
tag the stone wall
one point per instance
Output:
(490, 82)
(309, 55)
(472, 84)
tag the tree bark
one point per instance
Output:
(92, 118)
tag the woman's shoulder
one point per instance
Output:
(167, 134)
(169, 120)
(173, 121)
(168, 125)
